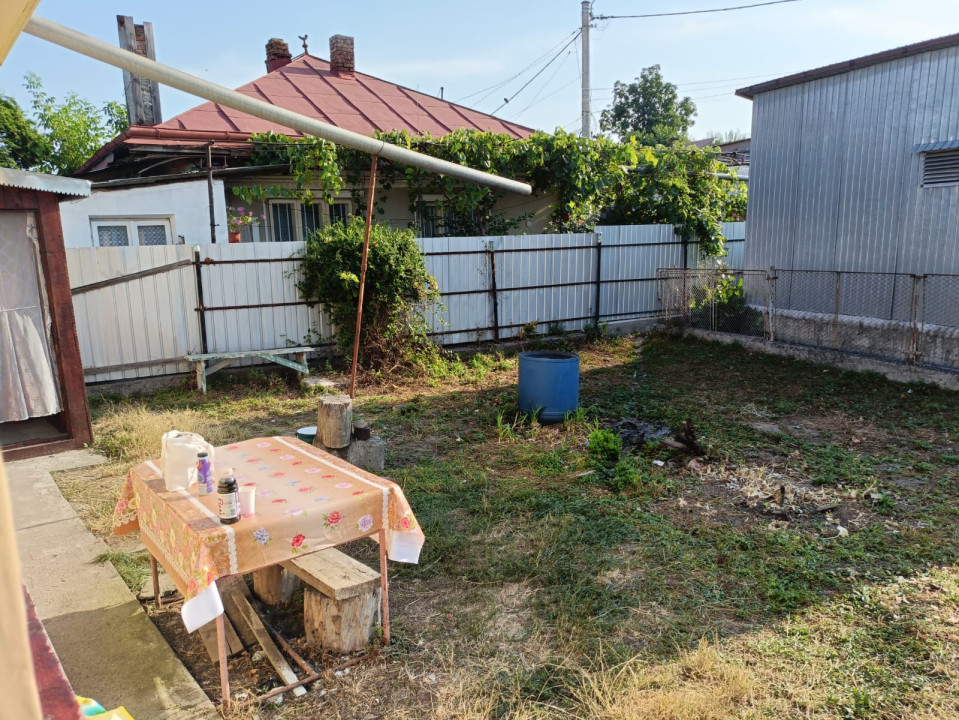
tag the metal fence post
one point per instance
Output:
(922, 321)
(914, 353)
(491, 255)
(835, 315)
(771, 279)
(199, 299)
(599, 271)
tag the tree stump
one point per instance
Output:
(274, 585)
(334, 422)
(342, 626)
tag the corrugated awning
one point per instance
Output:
(935, 146)
(45, 183)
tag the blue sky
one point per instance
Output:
(466, 47)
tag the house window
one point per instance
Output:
(291, 220)
(434, 222)
(123, 232)
(940, 168)
(340, 212)
(284, 221)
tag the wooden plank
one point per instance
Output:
(334, 574)
(208, 636)
(248, 353)
(229, 588)
(266, 642)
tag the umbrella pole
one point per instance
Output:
(366, 253)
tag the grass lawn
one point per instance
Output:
(805, 569)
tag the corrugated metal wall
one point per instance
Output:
(834, 182)
(126, 328)
(128, 325)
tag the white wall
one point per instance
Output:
(185, 204)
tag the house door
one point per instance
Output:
(29, 386)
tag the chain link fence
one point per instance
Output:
(912, 319)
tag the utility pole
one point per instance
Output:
(584, 33)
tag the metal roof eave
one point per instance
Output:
(845, 66)
(26, 180)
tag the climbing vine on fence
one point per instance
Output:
(594, 181)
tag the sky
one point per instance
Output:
(469, 49)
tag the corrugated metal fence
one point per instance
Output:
(140, 310)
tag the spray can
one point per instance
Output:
(204, 473)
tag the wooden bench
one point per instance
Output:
(340, 600)
(221, 360)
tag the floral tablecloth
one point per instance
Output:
(306, 500)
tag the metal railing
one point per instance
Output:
(899, 317)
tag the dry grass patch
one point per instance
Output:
(131, 432)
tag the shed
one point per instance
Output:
(855, 166)
(43, 401)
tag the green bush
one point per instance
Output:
(605, 447)
(398, 289)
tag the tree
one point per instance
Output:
(21, 144)
(649, 110)
(74, 128)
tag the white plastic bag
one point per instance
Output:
(178, 451)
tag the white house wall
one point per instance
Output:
(835, 184)
(535, 212)
(185, 204)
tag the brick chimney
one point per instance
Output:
(341, 55)
(277, 54)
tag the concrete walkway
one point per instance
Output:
(109, 648)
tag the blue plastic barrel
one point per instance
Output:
(549, 383)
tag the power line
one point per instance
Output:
(536, 100)
(541, 70)
(691, 12)
(493, 88)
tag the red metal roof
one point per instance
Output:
(357, 102)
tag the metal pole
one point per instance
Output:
(209, 188)
(366, 253)
(835, 316)
(493, 290)
(584, 33)
(773, 277)
(99, 50)
(599, 271)
(224, 670)
(199, 299)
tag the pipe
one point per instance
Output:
(99, 50)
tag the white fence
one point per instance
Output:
(140, 310)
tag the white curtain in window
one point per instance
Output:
(28, 386)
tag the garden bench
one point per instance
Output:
(222, 359)
(340, 600)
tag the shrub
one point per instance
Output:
(604, 447)
(398, 289)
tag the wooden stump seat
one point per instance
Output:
(340, 600)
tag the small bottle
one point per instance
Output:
(204, 473)
(228, 498)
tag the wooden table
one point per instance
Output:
(306, 500)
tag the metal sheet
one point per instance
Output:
(43, 182)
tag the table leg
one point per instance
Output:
(385, 586)
(156, 582)
(224, 670)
